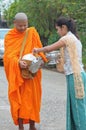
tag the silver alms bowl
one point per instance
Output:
(52, 57)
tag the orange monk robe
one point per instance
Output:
(24, 95)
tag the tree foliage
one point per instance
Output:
(42, 14)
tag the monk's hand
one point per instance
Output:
(23, 64)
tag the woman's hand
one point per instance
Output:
(35, 50)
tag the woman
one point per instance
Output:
(73, 69)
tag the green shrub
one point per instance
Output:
(83, 40)
(84, 61)
(53, 37)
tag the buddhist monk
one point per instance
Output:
(24, 94)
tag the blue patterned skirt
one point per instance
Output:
(76, 108)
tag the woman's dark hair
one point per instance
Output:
(69, 22)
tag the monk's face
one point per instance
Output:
(21, 25)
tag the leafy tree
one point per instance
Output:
(42, 14)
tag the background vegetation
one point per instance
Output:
(43, 13)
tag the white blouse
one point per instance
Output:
(67, 66)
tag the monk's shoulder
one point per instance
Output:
(32, 29)
(9, 33)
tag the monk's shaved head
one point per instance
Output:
(20, 16)
(21, 21)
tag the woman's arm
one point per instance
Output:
(49, 48)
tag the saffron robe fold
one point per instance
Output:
(24, 95)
